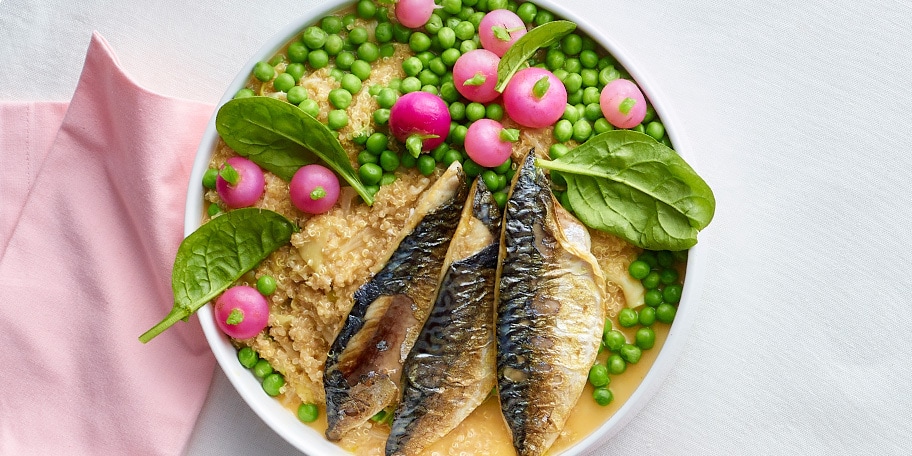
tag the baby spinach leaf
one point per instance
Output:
(217, 254)
(628, 184)
(281, 138)
(539, 37)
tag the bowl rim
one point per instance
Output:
(307, 440)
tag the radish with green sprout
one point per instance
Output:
(499, 29)
(240, 182)
(488, 143)
(414, 13)
(241, 312)
(622, 103)
(535, 98)
(475, 75)
(421, 120)
(314, 189)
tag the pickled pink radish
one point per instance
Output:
(475, 75)
(535, 98)
(622, 103)
(241, 312)
(499, 29)
(248, 188)
(420, 115)
(486, 145)
(414, 13)
(314, 189)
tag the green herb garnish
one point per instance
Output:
(282, 138)
(218, 253)
(628, 184)
(539, 37)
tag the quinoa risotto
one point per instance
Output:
(335, 253)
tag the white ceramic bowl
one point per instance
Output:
(306, 439)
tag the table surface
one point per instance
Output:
(798, 117)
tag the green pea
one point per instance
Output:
(387, 50)
(608, 74)
(602, 396)
(554, 59)
(437, 66)
(558, 150)
(340, 98)
(598, 375)
(475, 111)
(451, 6)
(631, 353)
(266, 285)
(410, 84)
(653, 297)
(310, 107)
(655, 129)
(428, 77)
(627, 317)
(366, 9)
(376, 143)
(389, 161)
(668, 276)
(590, 77)
(297, 52)
(367, 157)
(369, 52)
(448, 92)
(588, 58)
(639, 269)
(381, 116)
(273, 384)
(497, 4)
(308, 413)
(465, 30)
(475, 19)
(593, 112)
(602, 125)
(361, 69)
(501, 199)
(614, 339)
(647, 316)
(357, 35)
(331, 24)
(370, 173)
(494, 111)
(388, 178)
(408, 161)
(672, 293)
(652, 280)
(383, 32)
(616, 364)
(426, 164)
(449, 56)
(419, 42)
(446, 37)
(527, 12)
(318, 59)
(468, 46)
(451, 156)
(457, 110)
(458, 134)
(401, 33)
(491, 181)
(571, 44)
(263, 71)
(665, 312)
(213, 210)
(573, 65)
(645, 338)
(386, 98)
(283, 82)
(244, 93)
(334, 44)
(434, 24)
(247, 357)
(573, 82)
(563, 130)
(502, 168)
(262, 368)
(336, 74)
(472, 169)
(582, 129)
(575, 97)
(210, 177)
(412, 66)
(337, 118)
(439, 152)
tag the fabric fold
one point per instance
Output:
(92, 217)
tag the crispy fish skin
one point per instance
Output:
(451, 368)
(550, 313)
(364, 364)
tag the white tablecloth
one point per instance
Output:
(798, 114)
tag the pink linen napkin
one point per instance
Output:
(91, 215)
